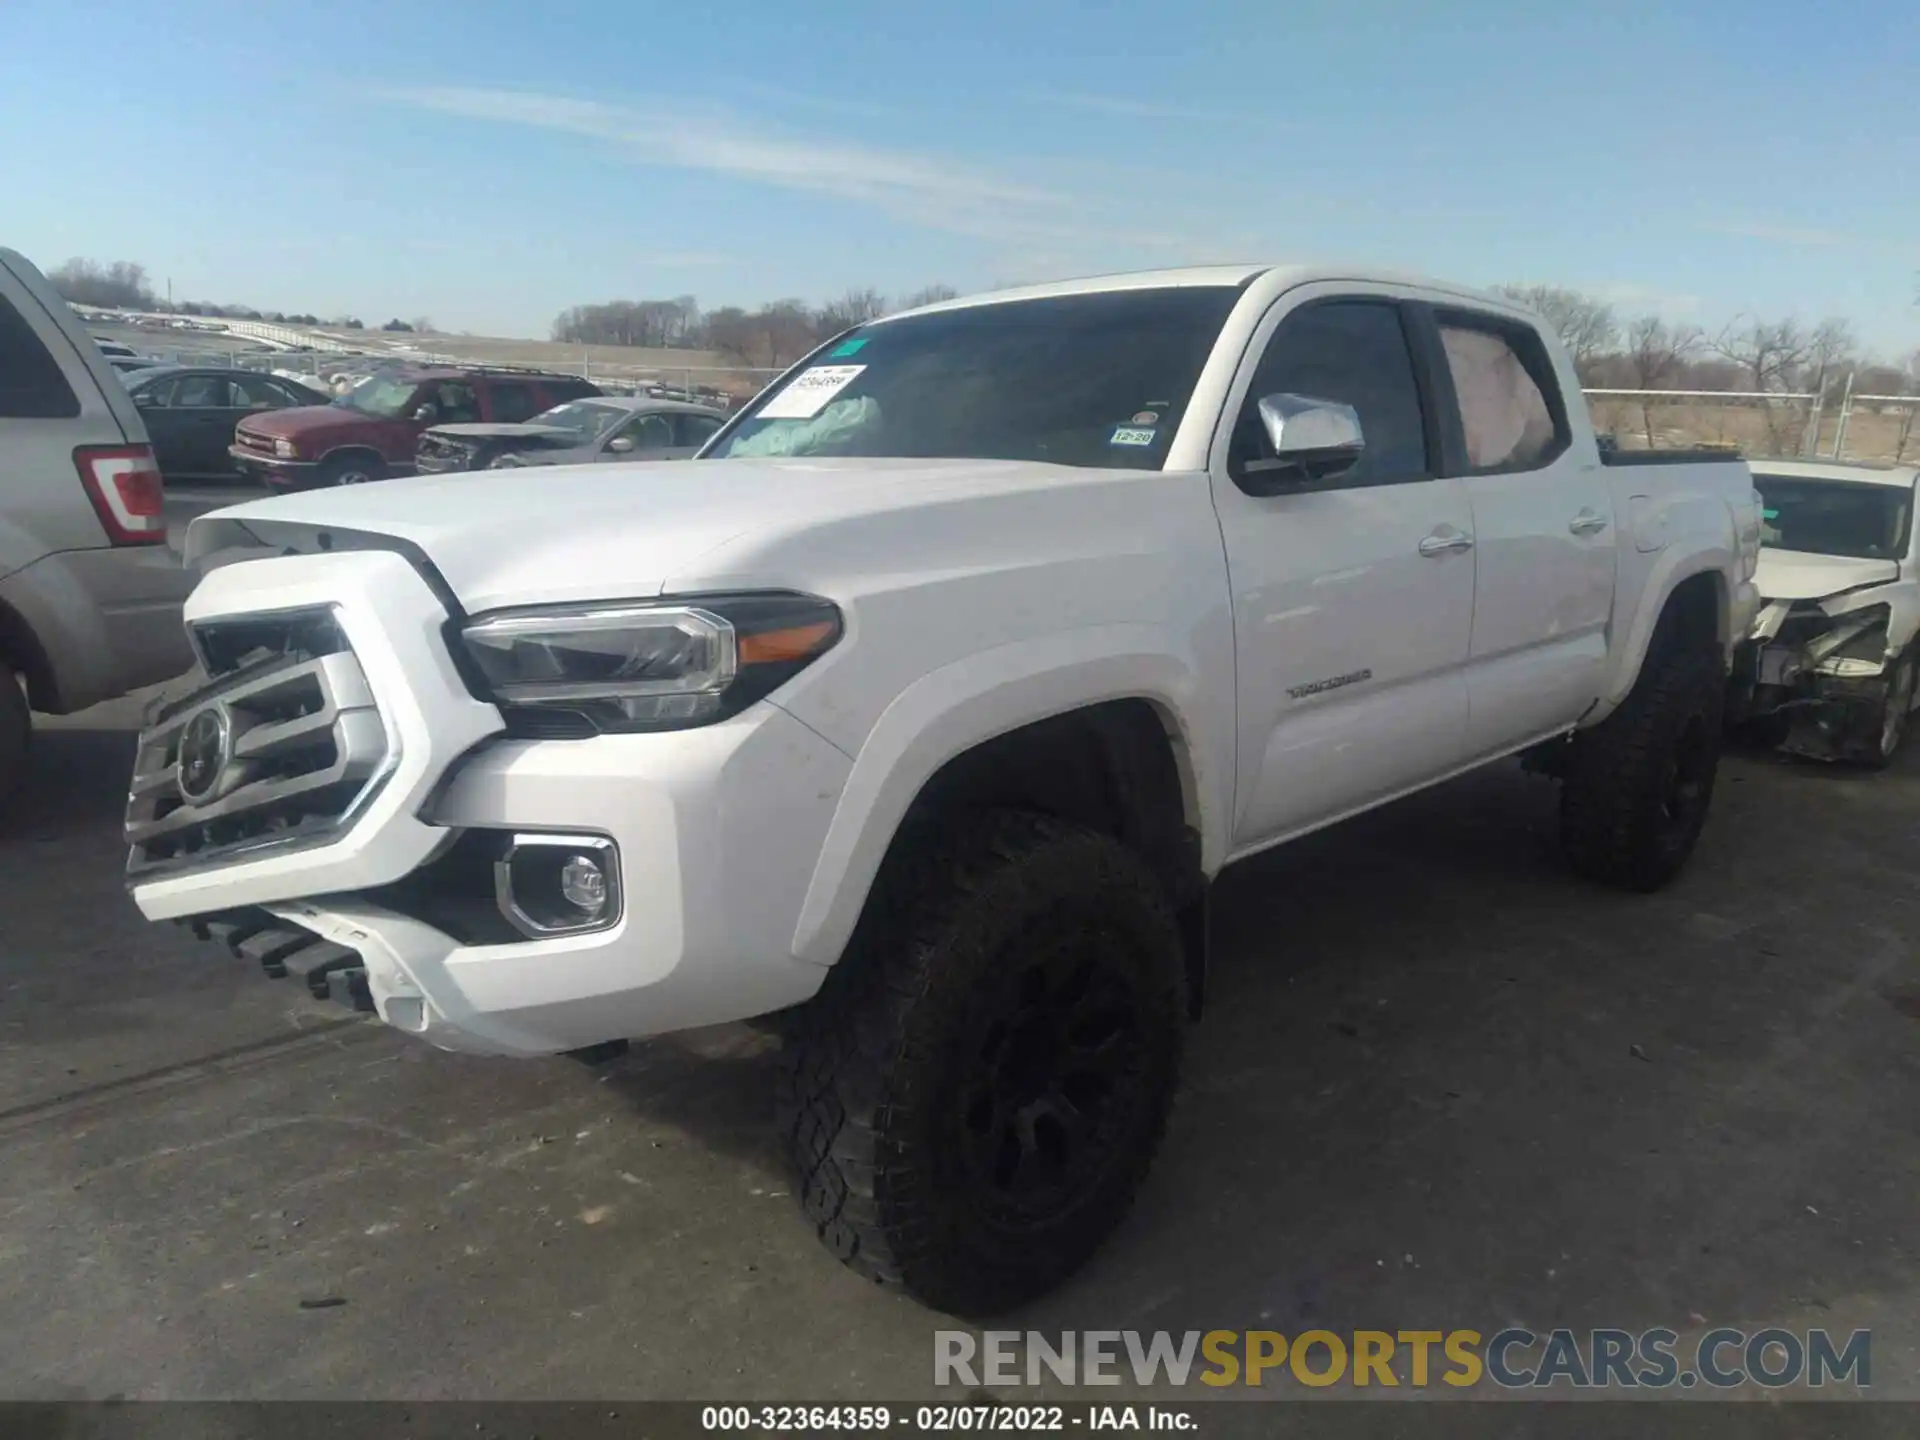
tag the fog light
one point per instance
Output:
(558, 884)
(584, 884)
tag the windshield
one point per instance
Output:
(583, 418)
(1094, 380)
(381, 395)
(1834, 517)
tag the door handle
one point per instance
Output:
(1445, 544)
(1587, 523)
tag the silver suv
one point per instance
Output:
(90, 594)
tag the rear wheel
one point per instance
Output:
(977, 1092)
(16, 732)
(1639, 784)
(352, 470)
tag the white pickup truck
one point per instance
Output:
(921, 708)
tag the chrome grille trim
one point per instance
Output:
(308, 749)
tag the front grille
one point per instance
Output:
(281, 748)
(437, 454)
(250, 440)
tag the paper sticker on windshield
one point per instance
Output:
(809, 391)
(846, 348)
(1131, 435)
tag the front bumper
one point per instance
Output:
(717, 831)
(1825, 716)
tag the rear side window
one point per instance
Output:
(696, 429)
(31, 385)
(1353, 352)
(1510, 413)
(513, 402)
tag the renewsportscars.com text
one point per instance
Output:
(1512, 1358)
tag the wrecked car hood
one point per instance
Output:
(1798, 575)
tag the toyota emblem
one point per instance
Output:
(206, 745)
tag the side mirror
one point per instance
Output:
(1311, 439)
(427, 413)
(147, 400)
(620, 444)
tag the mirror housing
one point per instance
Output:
(620, 444)
(1311, 439)
(427, 413)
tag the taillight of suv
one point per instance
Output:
(124, 485)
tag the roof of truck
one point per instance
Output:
(1860, 472)
(1202, 275)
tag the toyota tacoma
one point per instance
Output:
(918, 712)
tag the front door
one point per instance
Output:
(1352, 599)
(1543, 528)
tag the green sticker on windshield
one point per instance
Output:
(845, 348)
(1769, 514)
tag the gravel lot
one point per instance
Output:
(1442, 1085)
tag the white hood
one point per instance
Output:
(1795, 575)
(552, 535)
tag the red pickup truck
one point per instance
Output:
(370, 432)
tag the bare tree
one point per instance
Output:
(856, 307)
(1657, 356)
(1586, 326)
(423, 324)
(1772, 355)
(122, 284)
(929, 295)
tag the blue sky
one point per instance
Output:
(489, 164)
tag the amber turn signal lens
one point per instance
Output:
(772, 647)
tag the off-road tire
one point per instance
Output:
(894, 1082)
(338, 472)
(16, 732)
(1624, 820)
(1886, 743)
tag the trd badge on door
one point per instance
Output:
(1320, 687)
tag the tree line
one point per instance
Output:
(125, 285)
(772, 336)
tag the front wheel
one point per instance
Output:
(352, 470)
(1894, 712)
(980, 1087)
(1639, 784)
(16, 732)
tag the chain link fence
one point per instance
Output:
(1862, 427)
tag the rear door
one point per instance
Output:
(1543, 529)
(1352, 596)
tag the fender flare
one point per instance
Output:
(1671, 570)
(951, 710)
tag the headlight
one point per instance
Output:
(651, 665)
(285, 449)
(1856, 646)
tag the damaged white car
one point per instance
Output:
(1829, 668)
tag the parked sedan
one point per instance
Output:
(605, 427)
(191, 411)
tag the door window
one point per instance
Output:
(251, 392)
(1508, 421)
(649, 432)
(1353, 352)
(455, 401)
(200, 392)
